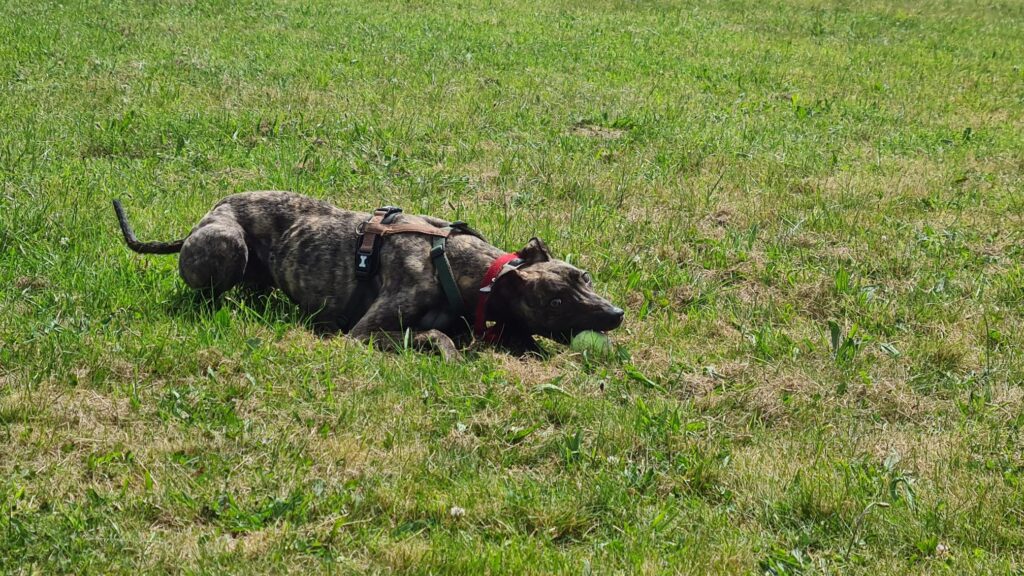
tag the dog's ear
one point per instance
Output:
(511, 282)
(534, 252)
(506, 291)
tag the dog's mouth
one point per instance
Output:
(567, 336)
(609, 323)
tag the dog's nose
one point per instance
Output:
(616, 315)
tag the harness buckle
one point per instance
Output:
(368, 245)
(437, 251)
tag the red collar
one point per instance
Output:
(480, 324)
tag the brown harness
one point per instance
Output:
(374, 228)
(368, 258)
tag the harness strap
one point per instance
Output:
(378, 229)
(444, 275)
(368, 258)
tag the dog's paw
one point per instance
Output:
(438, 342)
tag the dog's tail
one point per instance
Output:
(143, 247)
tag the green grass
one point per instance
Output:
(812, 212)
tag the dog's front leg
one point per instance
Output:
(519, 342)
(382, 325)
(426, 341)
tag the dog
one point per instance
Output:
(307, 248)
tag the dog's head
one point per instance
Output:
(551, 298)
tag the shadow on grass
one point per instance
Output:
(274, 310)
(265, 306)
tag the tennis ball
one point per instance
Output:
(593, 344)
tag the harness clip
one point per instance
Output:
(368, 245)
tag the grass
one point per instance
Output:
(812, 212)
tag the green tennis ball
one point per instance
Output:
(593, 344)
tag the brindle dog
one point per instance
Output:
(306, 248)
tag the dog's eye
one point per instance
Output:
(587, 279)
(555, 303)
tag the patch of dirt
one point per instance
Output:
(213, 358)
(336, 455)
(683, 295)
(804, 187)
(634, 300)
(406, 554)
(891, 399)
(753, 293)
(461, 440)
(233, 176)
(839, 252)
(30, 282)
(767, 398)
(701, 385)
(650, 358)
(483, 172)
(402, 458)
(1008, 398)
(725, 330)
(529, 372)
(302, 338)
(308, 164)
(803, 242)
(94, 414)
(714, 225)
(698, 385)
(816, 301)
(599, 132)
(254, 544)
(681, 255)
(720, 218)
(918, 452)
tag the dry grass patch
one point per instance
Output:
(923, 453)
(337, 455)
(405, 554)
(599, 132)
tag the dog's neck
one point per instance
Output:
(470, 257)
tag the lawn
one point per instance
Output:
(812, 212)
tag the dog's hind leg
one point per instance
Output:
(214, 255)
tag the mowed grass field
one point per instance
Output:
(813, 213)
